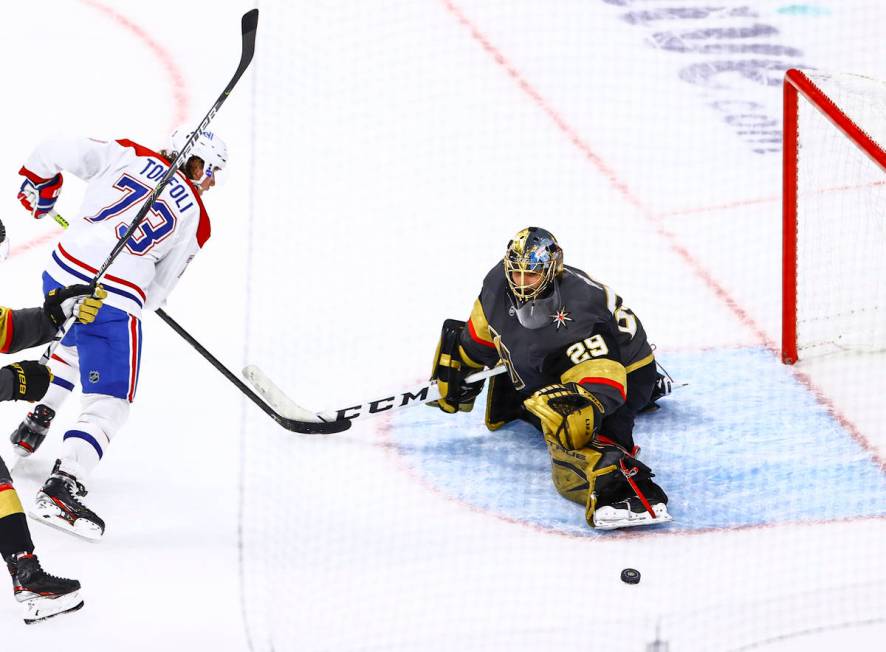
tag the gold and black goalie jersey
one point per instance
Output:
(579, 332)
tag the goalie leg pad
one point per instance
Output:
(615, 489)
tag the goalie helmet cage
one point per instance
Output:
(834, 214)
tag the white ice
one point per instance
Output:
(382, 155)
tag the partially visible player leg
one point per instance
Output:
(58, 502)
(31, 432)
(109, 352)
(44, 595)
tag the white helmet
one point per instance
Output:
(207, 146)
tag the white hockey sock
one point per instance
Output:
(64, 365)
(85, 442)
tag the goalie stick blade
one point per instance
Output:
(287, 413)
(275, 396)
(312, 428)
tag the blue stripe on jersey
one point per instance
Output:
(85, 436)
(88, 279)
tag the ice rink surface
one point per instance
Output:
(382, 155)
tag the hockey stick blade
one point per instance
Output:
(275, 396)
(294, 425)
(281, 403)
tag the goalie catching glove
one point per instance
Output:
(451, 367)
(568, 413)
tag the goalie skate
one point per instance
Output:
(629, 513)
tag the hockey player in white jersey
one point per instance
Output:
(104, 357)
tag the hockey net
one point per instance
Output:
(834, 213)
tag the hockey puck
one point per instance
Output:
(630, 576)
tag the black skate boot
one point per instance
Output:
(44, 595)
(57, 505)
(31, 432)
(632, 500)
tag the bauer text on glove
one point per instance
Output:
(26, 380)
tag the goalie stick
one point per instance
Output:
(287, 421)
(420, 395)
(293, 424)
(248, 27)
(289, 408)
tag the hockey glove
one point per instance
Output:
(39, 195)
(30, 380)
(79, 300)
(451, 367)
(569, 413)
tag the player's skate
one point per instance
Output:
(57, 505)
(647, 507)
(31, 432)
(43, 595)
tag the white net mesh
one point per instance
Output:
(841, 222)
(397, 147)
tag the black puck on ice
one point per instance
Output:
(630, 576)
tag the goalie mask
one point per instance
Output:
(533, 261)
(207, 146)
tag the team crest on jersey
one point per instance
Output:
(94, 376)
(561, 317)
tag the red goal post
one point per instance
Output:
(844, 125)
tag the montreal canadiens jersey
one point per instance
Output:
(120, 175)
(589, 337)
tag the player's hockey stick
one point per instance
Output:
(293, 423)
(248, 27)
(286, 406)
